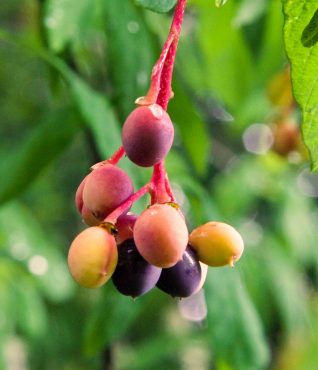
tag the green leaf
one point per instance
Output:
(288, 289)
(24, 238)
(44, 144)
(31, 315)
(94, 107)
(98, 114)
(191, 127)
(309, 36)
(300, 18)
(131, 53)
(228, 66)
(272, 55)
(249, 11)
(234, 328)
(66, 20)
(109, 320)
(219, 3)
(159, 6)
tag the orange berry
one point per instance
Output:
(92, 257)
(161, 235)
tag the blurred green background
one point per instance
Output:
(70, 71)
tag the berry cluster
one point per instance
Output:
(155, 248)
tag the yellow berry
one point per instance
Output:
(92, 257)
(217, 244)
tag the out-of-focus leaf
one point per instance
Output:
(154, 352)
(160, 6)
(112, 316)
(24, 305)
(228, 65)
(220, 3)
(66, 20)
(235, 330)
(303, 56)
(98, 114)
(31, 314)
(287, 289)
(198, 205)
(24, 239)
(299, 232)
(191, 127)
(249, 11)
(131, 52)
(272, 56)
(93, 106)
(44, 144)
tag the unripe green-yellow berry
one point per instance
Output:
(217, 244)
(92, 257)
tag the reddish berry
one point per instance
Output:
(147, 135)
(105, 189)
(161, 235)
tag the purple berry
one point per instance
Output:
(183, 279)
(134, 276)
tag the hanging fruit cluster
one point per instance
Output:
(154, 248)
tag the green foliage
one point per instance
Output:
(220, 3)
(160, 6)
(70, 72)
(300, 34)
(42, 146)
(248, 352)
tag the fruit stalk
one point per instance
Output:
(124, 207)
(165, 64)
(160, 89)
(165, 93)
(114, 159)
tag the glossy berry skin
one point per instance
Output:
(87, 215)
(79, 196)
(133, 276)
(147, 135)
(161, 235)
(92, 257)
(184, 278)
(125, 225)
(217, 244)
(105, 189)
(204, 274)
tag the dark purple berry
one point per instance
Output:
(183, 279)
(134, 276)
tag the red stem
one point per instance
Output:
(114, 159)
(165, 93)
(161, 185)
(160, 89)
(168, 189)
(160, 92)
(125, 206)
